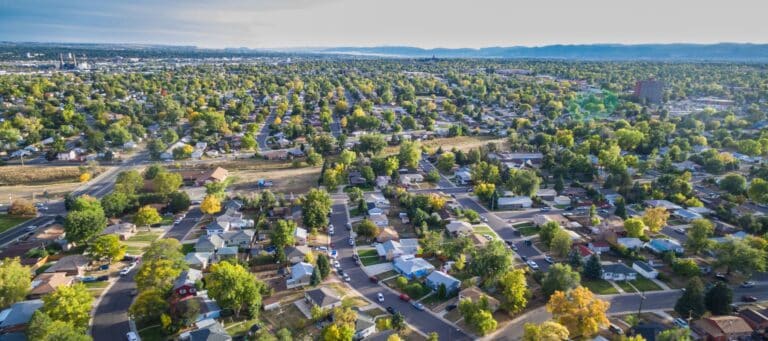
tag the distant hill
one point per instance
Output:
(676, 52)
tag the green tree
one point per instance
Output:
(514, 291)
(106, 247)
(147, 216)
(233, 287)
(561, 243)
(718, 299)
(179, 202)
(621, 209)
(367, 228)
(71, 304)
(167, 182)
(691, 303)
(548, 231)
(634, 227)
(161, 264)
(43, 328)
(733, 183)
(738, 255)
(323, 265)
(410, 154)
(81, 226)
(675, 334)
(491, 260)
(398, 321)
(283, 233)
(314, 159)
(371, 144)
(559, 277)
(148, 306)
(129, 182)
(593, 269)
(523, 182)
(758, 191)
(315, 279)
(485, 172)
(347, 157)
(446, 161)
(698, 235)
(115, 203)
(15, 281)
(315, 208)
(477, 315)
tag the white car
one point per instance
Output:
(346, 278)
(31, 228)
(533, 265)
(127, 269)
(131, 336)
(380, 297)
(336, 264)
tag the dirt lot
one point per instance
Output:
(35, 175)
(284, 177)
(463, 143)
(55, 191)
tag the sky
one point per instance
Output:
(419, 23)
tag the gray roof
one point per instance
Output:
(411, 264)
(618, 268)
(244, 234)
(213, 241)
(214, 332)
(197, 257)
(69, 263)
(188, 277)
(440, 277)
(645, 266)
(19, 313)
(323, 296)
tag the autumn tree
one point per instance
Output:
(161, 264)
(478, 315)
(655, 218)
(210, 205)
(233, 287)
(635, 227)
(15, 281)
(147, 216)
(106, 247)
(42, 328)
(579, 311)
(546, 331)
(514, 291)
(71, 304)
(22, 208)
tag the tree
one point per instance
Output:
(655, 218)
(593, 269)
(335, 332)
(314, 159)
(546, 331)
(733, 183)
(559, 277)
(347, 157)
(161, 264)
(323, 265)
(106, 247)
(514, 291)
(410, 154)
(492, 260)
(718, 299)
(394, 337)
(315, 279)
(22, 208)
(371, 143)
(283, 233)
(433, 336)
(758, 191)
(698, 235)
(621, 208)
(71, 304)
(635, 227)
(485, 191)
(579, 311)
(233, 287)
(210, 205)
(315, 208)
(446, 161)
(738, 255)
(691, 303)
(675, 334)
(484, 172)
(147, 216)
(477, 315)
(561, 243)
(401, 282)
(115, 203)
(179, 202)
(81, 226)
(547, 232)
(167, 182)
(14, 281)
(43, 328)
(129, 182)
(523, 182)
(149, 305)
(355, 194)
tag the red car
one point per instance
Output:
(405, 297)
(373, 279)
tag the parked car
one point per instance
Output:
(450, 307)
(86, 279)
(680, 323)
(334, 254)
(405, 297)
(391, 310)
(336, 264)
(524, 258)
(747, 284)
(102, 278)
(131, 336)
(533, 265)
(417, 305)
(615, 329)
(31, 228)
(347, 278)
(514, 247)
(680, 230)
(748, 298)
(373, 279)
(349, 226)
(549, 260)
(721, 277)
(380, 297)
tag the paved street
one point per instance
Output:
(181, 229)
(261, 138)
(110, 320)
(421, 320)
(443, 182)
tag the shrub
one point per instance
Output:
(22, 207)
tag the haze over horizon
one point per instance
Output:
(366, 23)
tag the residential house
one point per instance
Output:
(410, 179)
(562, 200)
(16, 317)
(73, 265)
(212, 332)
(123, 230)
(300, 236)
(511, 203)
(474, 294)
(546, 194)
(209, 243)
(185, 284)
(375, 211)
(392, 249)
(241, 239)
(209, 309)
(662, 245)
(618, 272)
(648, 330)
(227, 252)
(46, 283)
(377, 200)
(356, 178)
(364, 326)
(645, 269)
(379, 220)
(301, 273)
(382, 181)
(686, 215)
(438, 278)
(630, 243)
(217, 227)
(668, 205)
(599, 247)
(722, 328)
(459, 228)
(67, 156)
(216, 175)
(198, 260)
(233, 205)
(758, 320)
(583, 251)
(386, 234)
(323, 297)
(296, 254)
(234, 220)
(412, 267)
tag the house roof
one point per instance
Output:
(323, 296)
(440, 277)
(645, 266)
(187, 277)
(219, 174)
(729, 324)
(583, 251)
(518, 200)
(301, 270)
(240, 234)
(754, 316)
(300, 232)
(297, 251)
(213, 332)
(618, 268)
(19, 313)
(227, 251)
(388, 232)
(48, 282)
(69, 263)
(214, 241)
(458, 226)
(410, 264)
(198, 257)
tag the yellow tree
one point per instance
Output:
(655, 218)
(547, 331)
(579, 311)
(210, 205)
(146, 216)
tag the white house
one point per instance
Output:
(300, 236)
(506, 203)
(458, 227)
(301, 273)
(645, 269)
(630, 243)
(618, 272)
(379, 220)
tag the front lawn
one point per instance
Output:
(355, 212)
(600, 287)
(527, 229)
(187, 248)
(154, 333)
(371, 260)
(644, 284)
(367, 253)
(6, 221)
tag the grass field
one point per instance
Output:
(153, 333)
(527, 229)
(136, 244)
(32, 175)
(642, 284)
(600, 287)
(6, 221)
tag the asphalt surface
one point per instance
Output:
(421, 320)
(261, 139)
(181, 229)
(19, 231)
(442, 182)
(110, 320)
